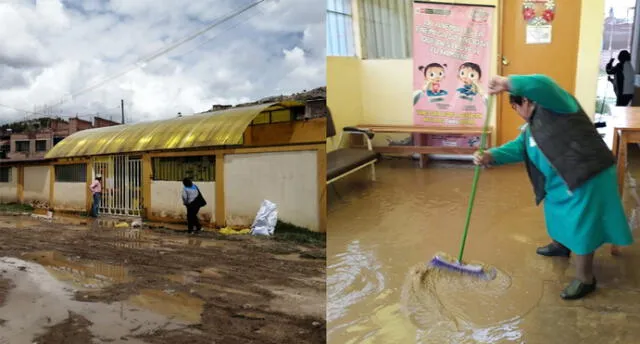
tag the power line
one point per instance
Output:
(78, 115)
(16, 109)
(160, 53)
(146, 60)
(216, 36)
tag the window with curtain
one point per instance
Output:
(339, 27)
(385, 28)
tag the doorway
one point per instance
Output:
(617, 36)
(557, 59)
(121, 179)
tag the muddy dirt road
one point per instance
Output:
(75, 281)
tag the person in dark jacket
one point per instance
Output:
(623, 78)
(189, 195)
(571, 169)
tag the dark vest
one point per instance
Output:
(571, 144)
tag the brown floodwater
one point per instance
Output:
(381, 236)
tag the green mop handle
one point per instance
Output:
(476, 176)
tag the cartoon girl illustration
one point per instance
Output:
(434, 73)
(469, 74)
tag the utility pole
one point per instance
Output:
(122, 109)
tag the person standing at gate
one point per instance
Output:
(96, 190)
(193, 200)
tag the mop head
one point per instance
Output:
(442, 261)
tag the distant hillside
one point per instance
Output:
(316, 93)
(22, 126)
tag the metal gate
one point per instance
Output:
(121, 184)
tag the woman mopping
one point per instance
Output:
(571, 169)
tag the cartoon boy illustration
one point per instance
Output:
(434, 73)
(469, 74)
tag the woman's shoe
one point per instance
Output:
(553, 250)
(578, 289)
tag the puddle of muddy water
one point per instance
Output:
(20, 222)
(175, 305)
(191, 242)
(381, 236)
(39, 300)
(81, 274)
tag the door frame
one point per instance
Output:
(126, 196)
(499, 71)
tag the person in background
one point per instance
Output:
(571, 169)
(190, 194)
(96, 190)
(623, 78)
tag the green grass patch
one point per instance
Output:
(16, 207)
(291, 233)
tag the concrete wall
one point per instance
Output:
(70, 196)
(9, 191)
(166, 200)
(36, 184)
(289, 179)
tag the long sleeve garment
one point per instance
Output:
(592, 214)
(189, 194)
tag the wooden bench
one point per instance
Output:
(343, 161)
(418, 147)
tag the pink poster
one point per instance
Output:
(452, 49)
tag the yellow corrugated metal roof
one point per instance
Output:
(217, 128)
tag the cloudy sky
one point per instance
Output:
(51, 51)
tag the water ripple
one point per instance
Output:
(354, 276)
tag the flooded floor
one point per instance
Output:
(381, 235)
(78, 281)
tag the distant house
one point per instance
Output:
(34, 142)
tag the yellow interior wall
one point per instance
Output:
(344, 94)
(384, 87)
(591, 30)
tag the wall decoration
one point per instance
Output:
(452, 53)
(451, 63)
(538, 20)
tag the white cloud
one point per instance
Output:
(50, 49)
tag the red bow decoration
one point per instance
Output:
(528, 13)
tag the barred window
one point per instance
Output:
(23, 146)
(5, 174)
(74, 173)
(198, 168)
(41, 145)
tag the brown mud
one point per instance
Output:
(80, 280)
(382, 235)
(73, 330)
